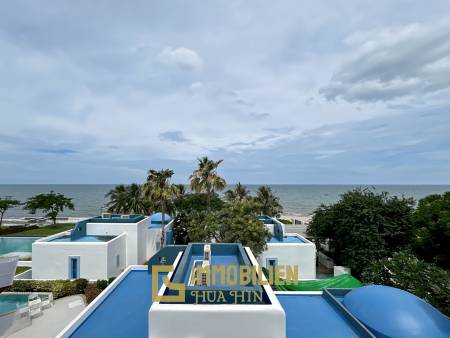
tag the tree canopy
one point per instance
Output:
(268, 202)
(51, 204)
(405, 271)
(206, 179)
(235, 223)
(5, 204)
(432, 229)
(239, 193)
(362, 226)
(127, 199)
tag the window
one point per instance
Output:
(117, 260)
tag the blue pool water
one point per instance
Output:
(10, 303)
(16, 244)
(286, 239)
(216, 260)
(83, 239)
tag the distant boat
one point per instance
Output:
(8, 266)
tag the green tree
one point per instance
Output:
(431, 220)
(405, 271)
(5, 204)
(206, 179)
(239, 193)
(161, 194)
(51, 204)
(362, 226)
(269, 204)
(185, 206)
(127, 199)
(235, 223)
(118, 199)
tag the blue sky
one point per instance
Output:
(285, 92)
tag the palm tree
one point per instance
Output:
(269, 204)
(118, 200)
(239, 193)
(161, 193)
(205, 178)
(126, 199)
(181, 189)
(136, 203)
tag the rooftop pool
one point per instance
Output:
(287, 239)
(9, 303)
(16, 244)
(91, 239)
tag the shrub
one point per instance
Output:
(102, 284)
(111, 279)
(60, 288)
(91, 292)
(81, 284)
(405, 271)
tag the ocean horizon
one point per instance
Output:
(297, 199)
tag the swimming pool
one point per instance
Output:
(9, 303)
(286, 239)
(83, 239)
(16, 244)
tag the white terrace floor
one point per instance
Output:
(54, 319)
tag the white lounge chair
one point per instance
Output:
(35, 305)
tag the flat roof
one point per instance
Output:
(124, 312)
(314, 316)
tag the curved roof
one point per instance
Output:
(391, 312)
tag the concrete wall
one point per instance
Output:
(51, 259)
(301, 254)
(136, 233)
(218, 320)
(117, 247)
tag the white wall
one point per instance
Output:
(153, 241)
(118, 246)
(218, 320)
(301, 254)
(51, 259)
(136, 251)
(97, 260)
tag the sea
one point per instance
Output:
(297, 200)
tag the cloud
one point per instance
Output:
(412, 60)
(61, 151)
(173, 136)
(181, 57)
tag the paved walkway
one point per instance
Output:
(53, 319)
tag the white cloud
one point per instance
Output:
(181, 57)
(412, 60)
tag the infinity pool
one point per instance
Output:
(16, 244)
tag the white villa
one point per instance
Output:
(98, 248)
(102, 247)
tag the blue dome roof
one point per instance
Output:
(391, 312)
(157, 218)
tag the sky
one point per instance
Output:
(285, 92)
